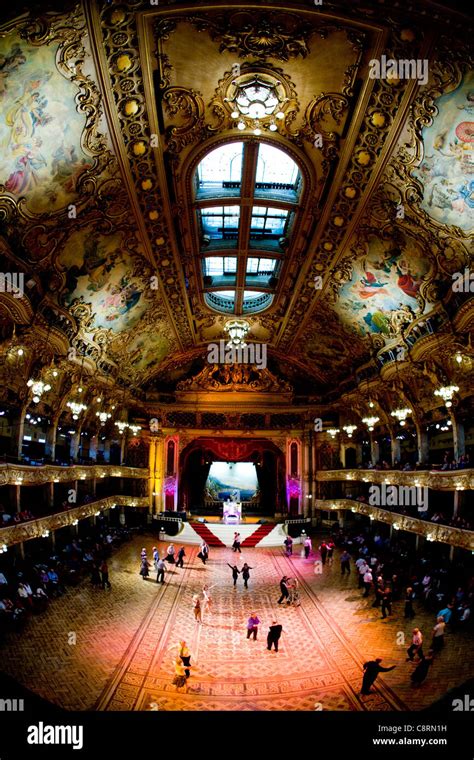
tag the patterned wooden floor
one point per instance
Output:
(122, 659)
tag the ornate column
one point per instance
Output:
(50, 494)
(342, 453)
(374, 449)
(422, 442)
(359, 453)
(305, 506)
(394, 445)
(75, 444)
(18, 428)
(151, 474)
(93, 444)
(459, 444)
(50, 445)
(107, 451)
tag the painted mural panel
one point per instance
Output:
(40, 129)
(447, 169)
(148, 346)
(101, 272)
(384, 284)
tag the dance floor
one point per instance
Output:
(113, 650)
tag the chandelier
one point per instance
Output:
(135, 429)
(103, 417)
(256, 104)
(237, 329)
(76, 408)
(38, 388)
(401, 415)
(446, 393)
(333, 432)
(370, 421)
(122, 426)
(349, 429)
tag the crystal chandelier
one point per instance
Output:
(103, 417)
(349, 429)
(370, 422)
(122, 426)
(135, 429)
(333, 432)
(256, 104)
(446, 393)
(237, 329)
(38, 388)
(401, 415)
(76, 408)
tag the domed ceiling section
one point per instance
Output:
(131, 258)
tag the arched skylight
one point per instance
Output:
(245, 194)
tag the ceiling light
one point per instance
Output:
(257, 131)
(280, 115)
(401, 415)
(458, 358)
(349, 429)
(446, 393)
(20, 352)
(241, 125)
(235, 114)
(370, 421)
(273, 127)
(333, 432)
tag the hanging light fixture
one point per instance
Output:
(401, 415)
(446, 393)
(122, 426)
(333, 432)
(38, 388)
(370, 422)
(135, 429)
(256, 103)
(237, 330)
(349, 429)
(76, 408)
(103, 417)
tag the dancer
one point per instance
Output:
(206, 598)
(386, 603)
(308, 547)
(144, 569)
(246, 574)
(160, 568)
(181, 556)
(372, 668)
(203, 552)
(236, 544)
(235, 573)
(421, 670)
(197, 609)
(331, 546)
(323, 550)
(294, 593)
(156, 554)
(252, 626)
(438, 635)
(345, 563)
(416, 646)
(185, 656)
(104, 572)
(273, 636)
(170, 554)
(179, 679)
(289, 546)
(285, 594)
(409, 611)
(143, 553)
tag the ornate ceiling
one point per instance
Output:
(105, 110)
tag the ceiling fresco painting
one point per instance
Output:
(447, 169)
(384, 283)
(41, 157)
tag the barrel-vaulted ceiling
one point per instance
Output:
(106, 108)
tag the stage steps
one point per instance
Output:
(257, 536)
(207, 535)
(217, 534)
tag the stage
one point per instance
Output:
(220, 534)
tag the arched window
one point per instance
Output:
(246, 196)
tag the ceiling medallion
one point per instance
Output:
(257, 101)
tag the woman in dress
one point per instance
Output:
(246, 574)
(170, 554)
(185, 655)
(421, 670)
(236, 544)
(144, 569)
(179, 679)
(197, 608)
(206, 599)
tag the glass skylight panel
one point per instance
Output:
(214, 266)
(230, 265)
(252, 266)
(275, 166)
(221, 170)
(221, 222)
(268, 222)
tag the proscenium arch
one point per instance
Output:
(300, 207)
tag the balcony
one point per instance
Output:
(22, 475)
(431, 531)
(449, 480)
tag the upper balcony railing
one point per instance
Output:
(449, 480)
(18, 475)
(16, 534)
(432, 532)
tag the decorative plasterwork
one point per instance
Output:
(438, 481)
(36, 528)
(27, 476)
(235, 377)
(431, 531)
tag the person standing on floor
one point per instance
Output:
(235, 573)
(273, 636)
(246, 574)
(362, 567)
(160, 570)
(181, 556)
(285, 594)
(156, 554)
(345, 562)
(386, 602)
(104, 574)
(409, 611)
(308, 546)
(438, 635)
(143, 554)
(185, 656)
(323, 550)
(289, 545)
(197, 609)
(180, 679)
(293, 586)
(206, 599)
(331, 546)
(203, 552)
(416, 646)
(144, 569)
(252, 626)
(236, 544)
(379, 589)
(371, 670)
(170, 554)
(367, 579)
(421, 670)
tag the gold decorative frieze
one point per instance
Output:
(22, 475)
(431, 531)
(450, 480)
(16, 534)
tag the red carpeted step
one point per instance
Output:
(261, 532)
(206, 534)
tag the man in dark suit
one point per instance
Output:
(273, 637)
(371, 671)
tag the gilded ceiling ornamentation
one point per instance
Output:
(235, 377)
